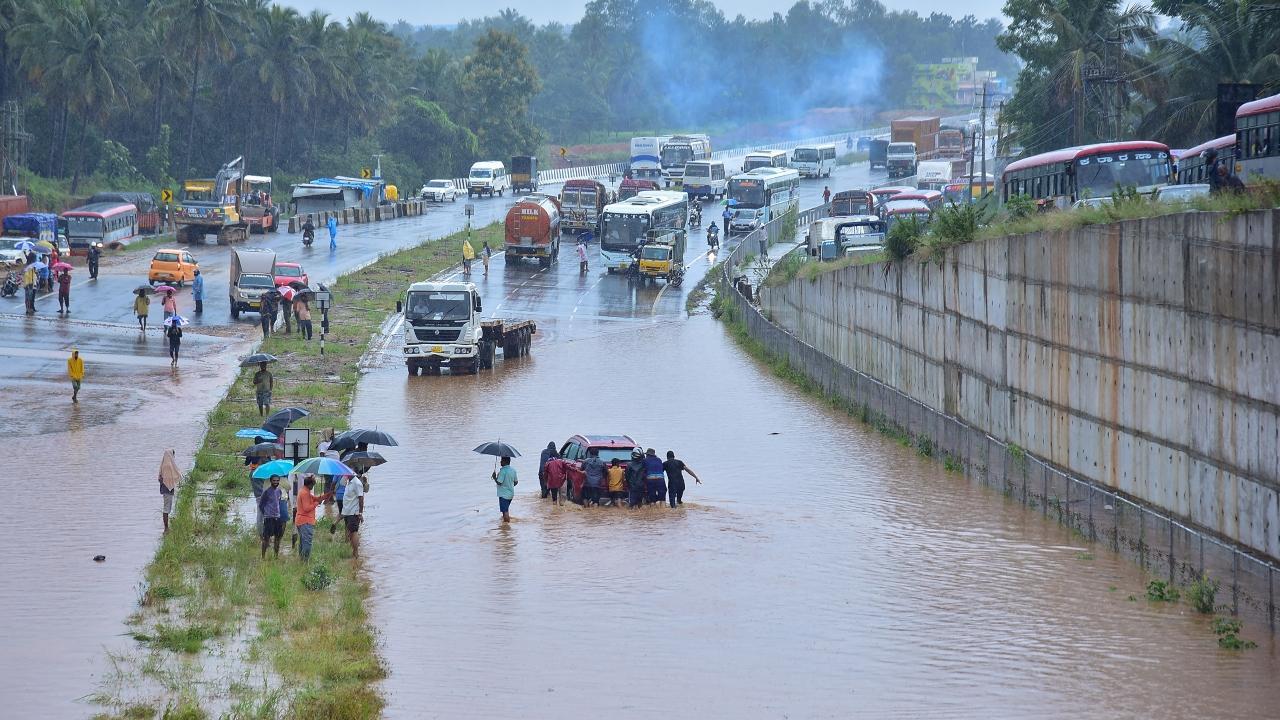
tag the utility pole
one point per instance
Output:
(999, 127)
(986, 91)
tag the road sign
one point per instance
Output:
(166, 196)
(564, 151)
(469, 209)
(366, 173)
(323, 297)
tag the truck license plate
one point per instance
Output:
(436, 348)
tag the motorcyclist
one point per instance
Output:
(95, 251)
(713, 236)
(697, 214)
(308, 231)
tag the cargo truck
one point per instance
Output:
(901, 159)
(878, 153)
(581, 204)
(252, 274)
(443, 329)
(524, 173)
(920, 130)
(532, 229)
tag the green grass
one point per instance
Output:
(206, 582)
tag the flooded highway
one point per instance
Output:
(822, 570)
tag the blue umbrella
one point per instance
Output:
(24, 245)
(275, 467)
(731, 202)
(255, 433)
(322, 466)
(38, 265)
(177, 320)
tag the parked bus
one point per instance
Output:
(1258, 140)
(107, 223)
(852, 202)
(1061, 177)
(706, 178)
(764, 158)
(814, 161)
(148, 211)
(1193, 166)
(646, 160)
(627, 224)
(680, 150)
(581, 202)
(932, 198)
(771, 190)
(960, 191)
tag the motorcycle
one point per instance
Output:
(10, 287)
(713, 237)
(695, 216)
(308, 236)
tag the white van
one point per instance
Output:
(488, 178)
(705, 178)
(814, 161)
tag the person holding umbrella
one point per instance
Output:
(505, 479)
(305, 521)
(64, 288)
(170, 302)
(173, 331)
(303, 312)
(142, 307)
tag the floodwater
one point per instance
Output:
(821, 571)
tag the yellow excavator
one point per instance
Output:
(212, 206)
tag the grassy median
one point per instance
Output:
(221, 632)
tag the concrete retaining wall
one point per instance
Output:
(1141, 357)
(346, 216)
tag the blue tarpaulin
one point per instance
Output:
(30, 224)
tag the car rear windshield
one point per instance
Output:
(256, 281)
(608, 455)
(286, 271)
(166, 257)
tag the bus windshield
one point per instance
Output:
(755, 162)
(805, 155)
(676, 155)
(1100, 175)
(439, 306)
(84, 226)
(748, 193)
(623, 231)
(697, 170)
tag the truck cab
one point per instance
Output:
(901, 159)
(252, 275)
(442, 326)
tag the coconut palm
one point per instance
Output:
(203, 28)
(274, 52)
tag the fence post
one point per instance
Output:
(1235, 582)
(1170, 551)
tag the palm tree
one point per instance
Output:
(1221, 42)
(204, 28)
(321, 47)
(275, 51)
(162, 63)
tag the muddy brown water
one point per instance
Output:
(822, 570)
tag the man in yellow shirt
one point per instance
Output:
(75, 371)
(29, 277)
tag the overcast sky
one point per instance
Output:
(567, 11)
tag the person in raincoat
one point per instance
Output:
(557, 472)
(142, 308)
(197, 292)
(468, 254)
(635, 479)
(75, 371)
(169, 477)
(332, 224)
(547, 455)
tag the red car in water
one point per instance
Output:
(611, 447)
(287, 272)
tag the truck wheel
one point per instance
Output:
(473, 367)
(545, 261)
(235, 310)
(484, 355)
(413, 370)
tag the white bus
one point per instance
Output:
(764, 158)
(626, 225)
(706, 178)
(814, 161)
(762, 195)
(680, 150)
(646, 157)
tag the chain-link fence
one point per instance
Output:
(1161, 544)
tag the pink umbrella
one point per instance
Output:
(164, 289)
(60, 266)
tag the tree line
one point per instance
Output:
(1096, 70)
(151, 90)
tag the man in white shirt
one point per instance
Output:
(353, 513)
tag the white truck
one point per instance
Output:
(252, 273)
(933, 174)
(443, 328)
(900, 159)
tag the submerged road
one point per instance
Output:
(89, 469)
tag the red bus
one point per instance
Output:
(1061, 177)
(107, 223)
(1258, 140)
(1192, 167)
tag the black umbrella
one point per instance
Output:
(265, 449)
(298, 285)
(364, 460)
(277, 421)
(256, 358)
(143, 289)
(497, 449)
(351, 438)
